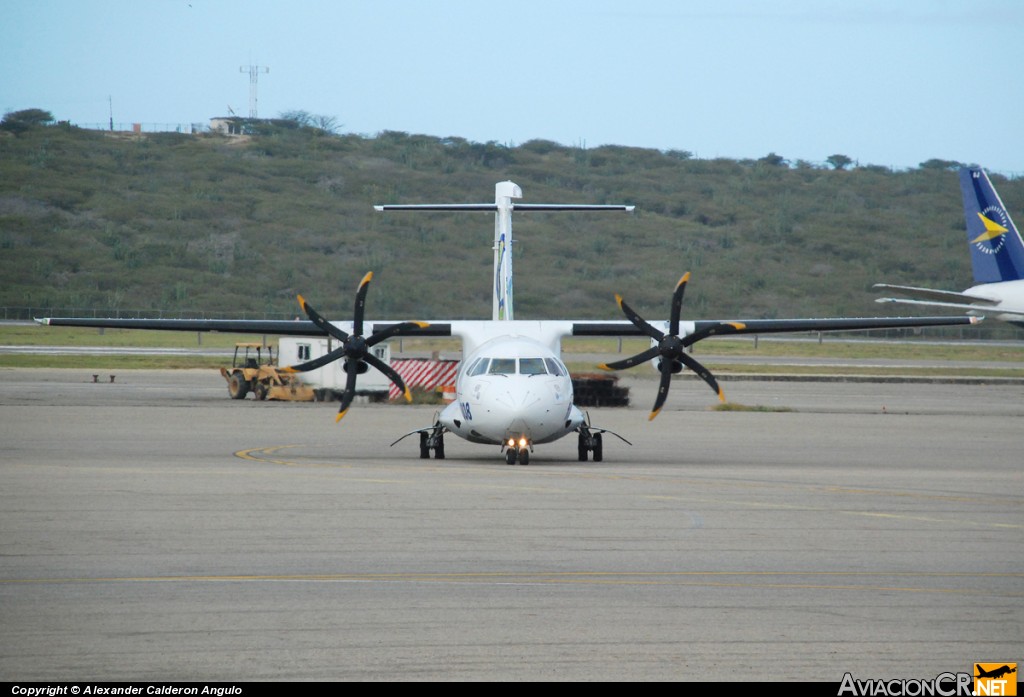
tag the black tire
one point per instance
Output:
(238, 386)
(510, 456)
(439, 448)
(598, 448)
(524, 457)
(259, 391)
(582, 448)
(424, 449)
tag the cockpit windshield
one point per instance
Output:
(531, 366)
(502, 366)
(513, 366)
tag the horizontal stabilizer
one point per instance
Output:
(493, 207)
(996, 311)
(944, 296)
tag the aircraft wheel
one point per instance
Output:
(238, 386)
(439, 448)
(524, 457)
(424, 450)
(510, 456)
(598, 448)
(582, 448)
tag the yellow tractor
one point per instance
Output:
(248, 373)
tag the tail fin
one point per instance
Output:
(997, 253)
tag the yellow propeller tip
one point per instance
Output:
(684, 279)
(408, 395)
(302, 300)
(653, 414)
(366, 279)
(422, 325)
(721, 396)
(618, 299)
(340, 416)
(604, 366)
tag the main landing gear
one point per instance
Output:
(590, 442)
(432, 440)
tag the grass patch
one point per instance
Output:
(110, 363)
(735, 406)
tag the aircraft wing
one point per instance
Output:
(776, 326)
(444, 328)
(285, 327)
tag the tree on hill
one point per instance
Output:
(839, 161)
(936, 163)
(21, 121)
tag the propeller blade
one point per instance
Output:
(666, 382)
(703, 373)
(357, 316)
(714, 330)
(632, 361)
(319, 321)
(394, 329)
(637, 320)
(350, 391)
(392, 374)
(677, 304)
(316, 363)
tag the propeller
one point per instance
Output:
(355, 348)
(671, 347)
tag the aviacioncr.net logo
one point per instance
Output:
(942, 685)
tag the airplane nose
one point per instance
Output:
(516, 408)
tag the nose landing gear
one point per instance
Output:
(520, 453)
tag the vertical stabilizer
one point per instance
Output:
(504, 192)
(997, 253)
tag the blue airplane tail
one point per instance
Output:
(997, 253)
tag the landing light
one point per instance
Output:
(511, 442)
(522, 443)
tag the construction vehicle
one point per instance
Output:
(248, 373)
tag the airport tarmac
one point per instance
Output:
(153, 529)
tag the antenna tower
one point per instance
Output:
(254, 78)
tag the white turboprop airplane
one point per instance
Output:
(512, 389)
(997, 258)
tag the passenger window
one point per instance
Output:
(532, 366)
(479, 368)
(502, 366)
(554, 367)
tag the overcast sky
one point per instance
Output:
(888, 82)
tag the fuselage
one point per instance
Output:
(1008, 297)
(512, 388)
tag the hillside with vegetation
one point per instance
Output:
(215, 225)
